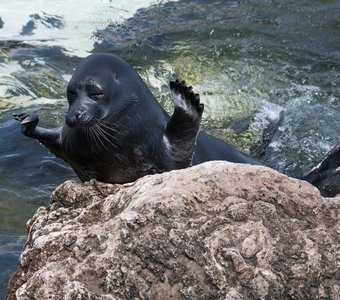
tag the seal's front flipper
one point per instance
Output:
(182, 129)
(50, 137)
(29, 123)
(20, 117)
(326, 174)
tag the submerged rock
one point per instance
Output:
(214, 231)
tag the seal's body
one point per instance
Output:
(115, 130)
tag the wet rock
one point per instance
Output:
(214, 231)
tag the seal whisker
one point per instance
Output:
(89, 136)
(108, 131)
(68, 140)
(67, 134)
(64, 137)
(105, 135)
(92, 138)
(104, 124)
(112, 125)
(108, 134)
(97, 136)
(72, 139)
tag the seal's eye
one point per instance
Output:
(71, 95)
(97, 96)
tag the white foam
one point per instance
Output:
(80, 19)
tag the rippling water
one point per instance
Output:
(248, 59)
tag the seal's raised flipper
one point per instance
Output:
(182, 129)
(50, 137)
(326, 174)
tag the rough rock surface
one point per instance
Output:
(214, 231)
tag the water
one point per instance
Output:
(248, 59)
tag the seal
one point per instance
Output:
(115, 130)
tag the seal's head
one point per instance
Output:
(99, 87)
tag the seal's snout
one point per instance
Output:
(77, 119)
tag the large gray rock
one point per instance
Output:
(214, 231)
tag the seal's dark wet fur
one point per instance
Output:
(116, 131)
